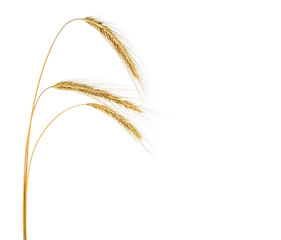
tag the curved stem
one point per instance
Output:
(40, 96)
(35, 107)
(29, 130)
(44, 132)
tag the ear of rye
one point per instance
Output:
(120, 48)
(118, 117)
(95, 93)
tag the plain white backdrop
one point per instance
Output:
(213, 71)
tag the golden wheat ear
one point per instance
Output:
(95, 93)
(119, 46)
(119, 118)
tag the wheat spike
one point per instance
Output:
(94, 92)
(117, 44)
(118, 117)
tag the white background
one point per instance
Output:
(213, 70)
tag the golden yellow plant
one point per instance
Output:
(88, 90)
(118, 117)
(119, 46)
(95, 93)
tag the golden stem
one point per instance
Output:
(43, 133)
(40, 96)
(29, 131)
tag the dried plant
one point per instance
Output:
(120, 48)
(90, 91)
(118, 117)
(95, 93)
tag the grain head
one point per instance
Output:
(118, 117)
(118, 45)
(95, 93)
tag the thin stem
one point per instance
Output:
(26, 180)
(44, 132)
(41, 95)
(34, 108)
(29, 131)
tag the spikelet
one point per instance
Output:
(117, 44)
(118, 117)
(95, 93)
